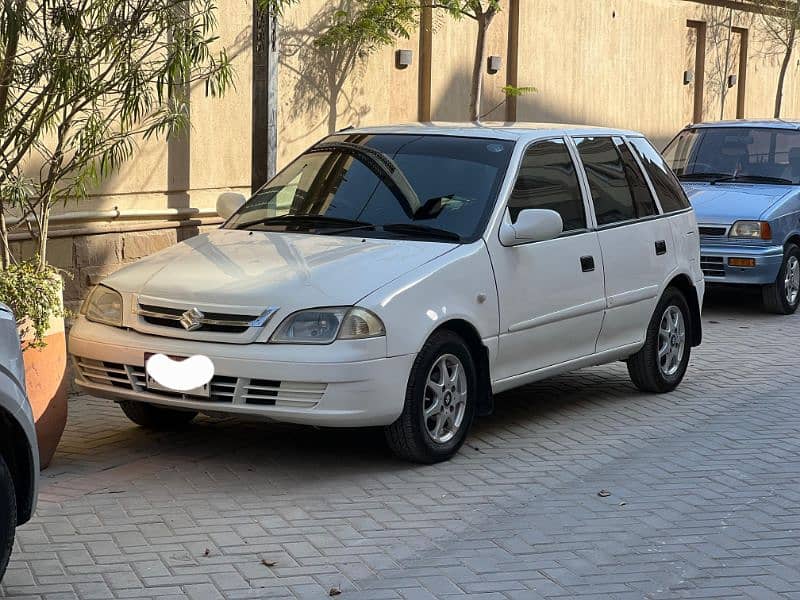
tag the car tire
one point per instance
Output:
(8, 516)
(661, 363)
(155, 417)
(440, 402)
(783, 296)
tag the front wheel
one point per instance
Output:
(661, 363)
(783, 296)
(151, 416)
(8, 516)
(440, 402)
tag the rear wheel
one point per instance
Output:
(661, 363)
(783, 296)
(8, 516)
(151, 416)
(440, 402)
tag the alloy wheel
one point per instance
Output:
(791, 282)
(445, 398)
(671, 341)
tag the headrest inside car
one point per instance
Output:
(734, 150)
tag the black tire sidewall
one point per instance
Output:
(791, 250)
(672, 297)
(8, 516)
(442, 344)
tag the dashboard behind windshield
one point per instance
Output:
(416, 182)
(759, 155)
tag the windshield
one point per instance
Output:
(745, 154)
(385, 185)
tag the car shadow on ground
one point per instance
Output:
(322, 455)
(241, 444)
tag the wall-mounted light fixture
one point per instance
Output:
(732, 79)
(688, 77)
(403, 58)
(495, 63)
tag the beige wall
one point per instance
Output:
(363, 91)
(621, 63)
(215, 154)
(605, 62)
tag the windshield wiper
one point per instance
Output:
(701, 176)
(310, 220)
(422, 230)
(753, 179)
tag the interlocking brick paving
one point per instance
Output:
(704, 490)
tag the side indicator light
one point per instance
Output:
(742, 262)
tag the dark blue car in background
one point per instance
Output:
(743, 180)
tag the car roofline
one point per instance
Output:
(748, 124)
(490, 130)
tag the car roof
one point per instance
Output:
(762, 123)
(492, 130)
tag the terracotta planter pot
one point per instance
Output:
(46, 380)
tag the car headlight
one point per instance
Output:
(103, 305)
(757, 230)
(324, 325)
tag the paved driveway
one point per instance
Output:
(704, 496)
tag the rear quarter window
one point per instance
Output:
(667, 187)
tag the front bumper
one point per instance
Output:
(250, 380)
(714, 259)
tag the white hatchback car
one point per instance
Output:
(399, 276)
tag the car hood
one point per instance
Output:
(723, 204)
(244, 269)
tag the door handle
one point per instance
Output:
(587, 264)
(661, 247)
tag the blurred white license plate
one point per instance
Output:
(152, 384)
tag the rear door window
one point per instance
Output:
(667, 187)
(608, 182)
(643, 201)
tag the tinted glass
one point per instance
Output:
(547, 179)
(758, 155)
(668, 188)
(643, 202)
(442, 182)
(611, 194)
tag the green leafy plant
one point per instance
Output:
(81, 82)
(34, 294)
(511, 91)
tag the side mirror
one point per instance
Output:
(228, 203)
(533, 225)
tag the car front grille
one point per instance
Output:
(712, 266)
(223, 389)
(164, 316)
(709, 231)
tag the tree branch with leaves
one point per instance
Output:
(81, 83)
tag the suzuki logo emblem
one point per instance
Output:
(192, 319)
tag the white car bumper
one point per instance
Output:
(251, 379)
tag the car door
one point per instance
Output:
(636, 242)
(551, 297)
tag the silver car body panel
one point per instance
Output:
(14, 401)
